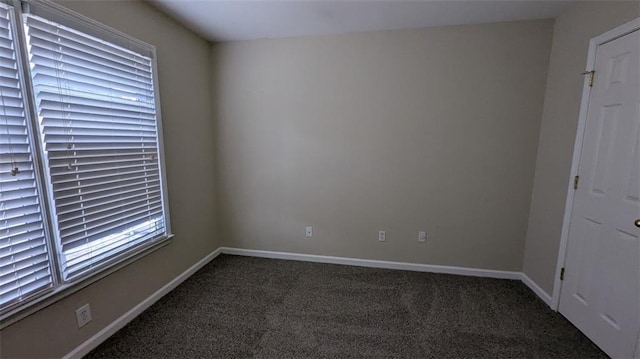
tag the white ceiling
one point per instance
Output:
(230, 20)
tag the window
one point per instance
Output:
(81, 178)
(25, 266)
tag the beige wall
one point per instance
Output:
(432, 129)
(184, 65)
(572, 33)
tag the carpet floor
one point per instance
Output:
(237, 307)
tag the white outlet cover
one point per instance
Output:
(309, 232)
(422, 237)
(83, 315)
(382, 236)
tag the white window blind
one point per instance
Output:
(97, 121)
(25, 267)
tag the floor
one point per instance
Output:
(237, 307)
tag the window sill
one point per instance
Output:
(66, 290)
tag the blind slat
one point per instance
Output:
(96, 205)
(24, 251)
(100, 169)
(110, 221)
(82, 196)
(27, 289)
(100, 184)
(137, 78)
(72, 182)
(59, 123)
(23, 276)
(67, 38)
(82, 162)
(117, 235)
(104, 253)
(94, 104)
(73, 84)
(107, 212)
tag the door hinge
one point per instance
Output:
(562, 274)
(576, 180)
(592, 75)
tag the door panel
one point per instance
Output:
(632, 190)
(604, 143)
(601, 289)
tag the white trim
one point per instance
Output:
(89, 344)
(546, 298)
(610, 35)
(619, 31)
(109, 330)
(474, 272)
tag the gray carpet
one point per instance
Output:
(238, 307)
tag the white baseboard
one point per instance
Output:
(123, 320)
(88, 345)
(474, 272)
(536, 289)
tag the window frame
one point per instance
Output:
(61, 288)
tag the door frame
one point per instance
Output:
(608, 36)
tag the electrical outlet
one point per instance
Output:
(382, 236)
(309, 232)
(422, 237)
(83, 315)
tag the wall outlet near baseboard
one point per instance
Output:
(309, 232)
(382, 236)
(83, 315)
(422, 237)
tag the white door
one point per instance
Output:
(601, 288)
